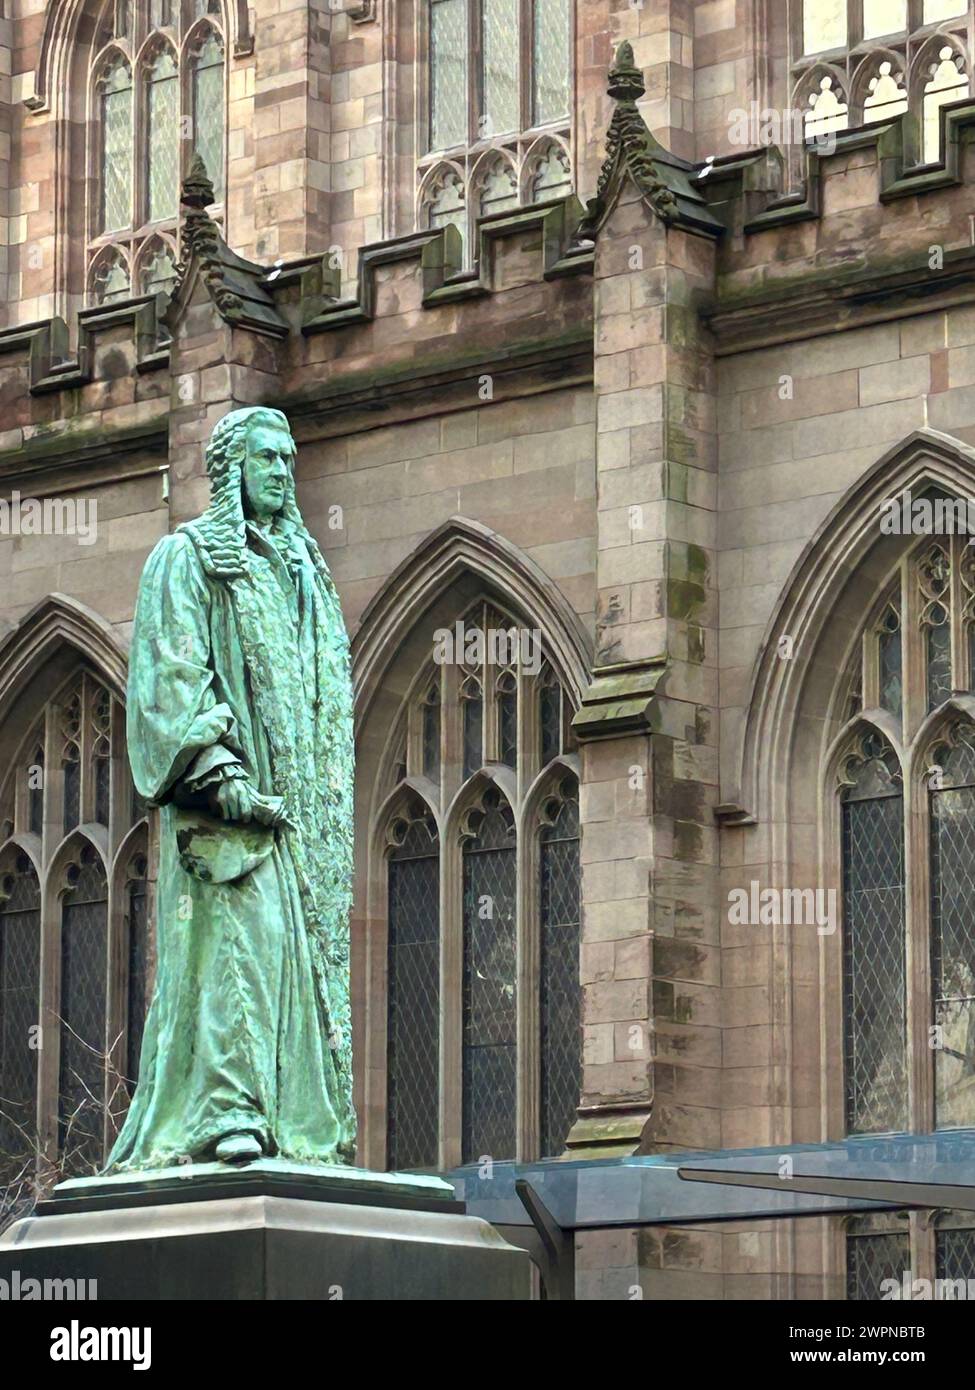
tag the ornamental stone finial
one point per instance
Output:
(197, 191)
(625, 78)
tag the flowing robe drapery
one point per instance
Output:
(249, 1029)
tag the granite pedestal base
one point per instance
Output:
(266, 1231)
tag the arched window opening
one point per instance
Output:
(173, 53)
(20, 966)
(489, 983)
(413, 1032)
(874, 945)
(561, 1027)
(83, 1015)
(484, 734)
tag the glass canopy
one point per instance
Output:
(922, 1170)
(593, 1193)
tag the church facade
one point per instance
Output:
(629, 346)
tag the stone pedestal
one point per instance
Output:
(267, 1231)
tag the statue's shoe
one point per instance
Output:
(238, 1148)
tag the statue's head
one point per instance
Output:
(250, 459)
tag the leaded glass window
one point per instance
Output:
(489, 983)
(163, 117)
(116, 165)
(169, 55)
(413, 1041)
(84, 964)
(561, 1026)
(839, 82)
(953, 928)
(46, 814)
(891, 683)
(499, 72)
(873, 940)
(208, 109)
(500, 111)
(873, 1258)
(20, 958)
(551, 43)
(448, 73)
(955, 1260)
(472, 740)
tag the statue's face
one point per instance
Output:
(268, 461)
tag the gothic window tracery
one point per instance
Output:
(482, 868)
(157, 95)
(499, 76)
(73, 885)
(857, 62)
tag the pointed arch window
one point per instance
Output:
(158, 86)
(856, 62)
(20, 967)
(476, 1065)
(499, 75)
(72, 821)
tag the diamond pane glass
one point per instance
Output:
(551, 60)
(413, 1046)
(489, 1016)
(448, 73)
(163, 138)
(559, 991)
(20, 959)
(208, 111)
(116, 204)
(502, 50)
(872, 1259)
(883, 17)
(84, 927)
(138, 977)
(874, 964)
(954, 1260)
(953, 952)
(938, 642)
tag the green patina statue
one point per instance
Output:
(240, 729)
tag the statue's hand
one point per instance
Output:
(233, 800)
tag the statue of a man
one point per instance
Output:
(240, 729)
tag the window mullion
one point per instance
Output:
(915, 672)
(526, 49)
(475, 70)
(917, 926)
(854, 22)
(960, 674)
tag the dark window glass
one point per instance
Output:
(103, 782)
(874, 947)
(550, 719)
(559, 994)
(955, 1259)
(413, 1041)
(489, 1010)
(20, 957)
(473, 723)
(84, 927)
(35, 792)
(938, 643)
(872, 1259)
(71, 768)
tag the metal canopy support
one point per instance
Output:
(556, 1255)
